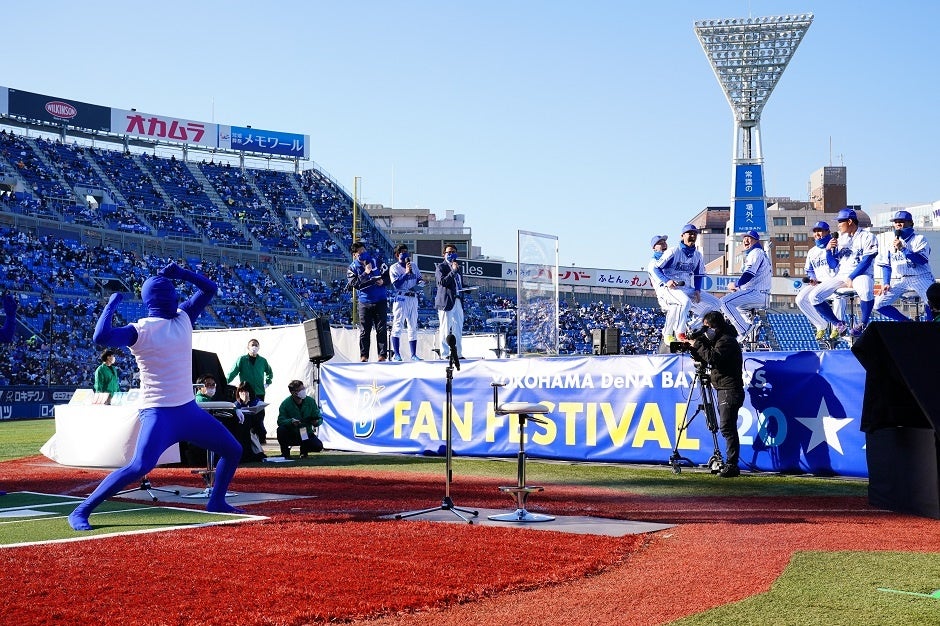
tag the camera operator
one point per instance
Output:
(720, 350)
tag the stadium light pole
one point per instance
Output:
(748, 56)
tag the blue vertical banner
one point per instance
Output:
(749, 208)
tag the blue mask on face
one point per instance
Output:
(451, 257)
(365, 258)
(657, 254)
(160, 297)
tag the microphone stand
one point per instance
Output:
(447, 504)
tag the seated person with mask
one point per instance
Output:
(233, 419)
(297, 420)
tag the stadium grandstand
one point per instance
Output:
(85, 214)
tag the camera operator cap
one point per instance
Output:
(846, 214)
(656, 239)
(902, 216)
(821, 226)
(753, 234)
(689, 228)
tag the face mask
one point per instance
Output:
(365, 258)
(657, 254)
(451, 257)
(403, 257)
(253, 350)
(710, 333)
(209, 392)
(302, 394)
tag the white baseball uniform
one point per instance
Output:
(683, 263)
(820, 265)
(753, 289)
(907, 268)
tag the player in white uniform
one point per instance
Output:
(752, 289)
(856, 250)
(659, 245)
(405, 279)
(905, 265)
(821, 264)
(162, 343)
(680, 271)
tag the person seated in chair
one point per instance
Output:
(297, 420)
(245, 398)
(233, 420)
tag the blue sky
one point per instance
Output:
(599, 122)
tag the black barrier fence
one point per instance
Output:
(28, 402)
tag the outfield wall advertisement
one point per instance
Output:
(801, 412)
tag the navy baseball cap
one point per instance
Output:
(753, 234)
(821, 226)
(656, 239)
(902, 216)
(846, 214)
(689, 228)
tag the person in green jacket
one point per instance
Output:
(106, 376)
(297, 420)
(254, 369)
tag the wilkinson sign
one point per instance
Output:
(57, 110)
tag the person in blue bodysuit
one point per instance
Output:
(168, 412)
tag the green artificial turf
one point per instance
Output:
(32, 517)
(831, 588)
(19, 438)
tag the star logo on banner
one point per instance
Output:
(825, 428)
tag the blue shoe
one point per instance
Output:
(397, 357)
(415, 357)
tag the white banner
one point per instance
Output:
(163, 128)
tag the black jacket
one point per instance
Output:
(724, 356)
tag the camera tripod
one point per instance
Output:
(703, 380)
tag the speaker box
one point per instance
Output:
(208, 363)
(597, 341)
(319, 339)
(612, 340)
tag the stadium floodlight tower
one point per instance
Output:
(748, 56)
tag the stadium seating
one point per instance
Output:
(62, 281)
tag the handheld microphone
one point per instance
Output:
(680, 283)
(807, 279)
(452, 344)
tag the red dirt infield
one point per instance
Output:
(331, 559)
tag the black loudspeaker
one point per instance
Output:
(319, 339)
(901, 415)
(208, 363)
(605, 341)
(612, 340)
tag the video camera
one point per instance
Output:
(677, 347)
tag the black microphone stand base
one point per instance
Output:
(446, 505)
(145, 485)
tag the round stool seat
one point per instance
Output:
(523, 489)
(846, 292)
(516, 408)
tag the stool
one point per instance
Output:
(520, 491)
(849, 295)
(911, 297)
(751, 339)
